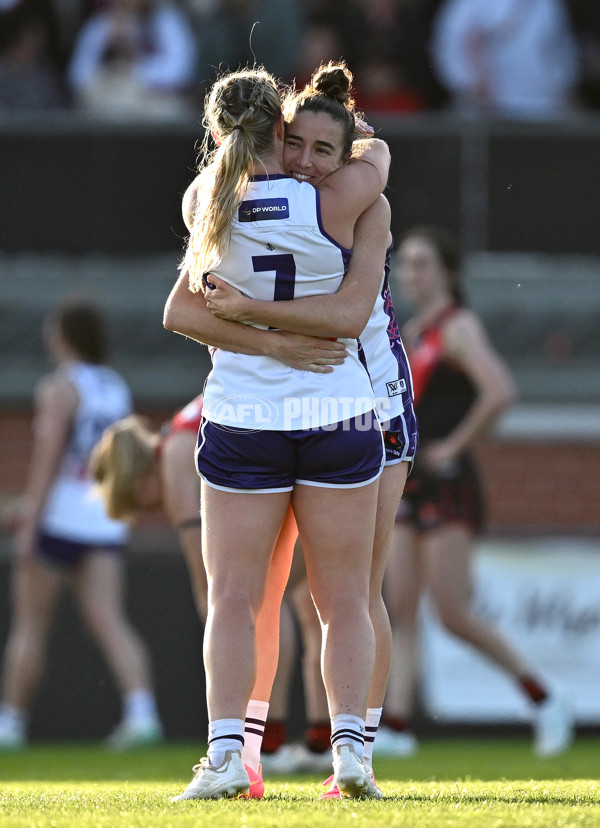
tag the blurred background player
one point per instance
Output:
(461, 385)
(63, 534)
(137, 468)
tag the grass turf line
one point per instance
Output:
(463, 783)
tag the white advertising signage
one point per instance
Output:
(544, 596)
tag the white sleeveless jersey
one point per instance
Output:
(383, 354)
(74, 511)
(279, 250)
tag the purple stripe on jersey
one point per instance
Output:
(345, 250)
(363, 359)
(393, 332)
(262, 177)
(388, 305)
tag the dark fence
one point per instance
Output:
(78, 185)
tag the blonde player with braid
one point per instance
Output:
(272, 435)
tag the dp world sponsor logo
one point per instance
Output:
(245, 411)
(261, 209)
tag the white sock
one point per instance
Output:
(140, 706)
(256, 719)
(14, 718)
(371, 725)
(224, 735)
(347, 729)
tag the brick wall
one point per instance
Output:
(532, 486)
(15, 437)
(542, 486)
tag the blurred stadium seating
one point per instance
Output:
(542, 311)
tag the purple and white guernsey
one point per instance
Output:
(279, 250)
(73, 510)
(384, 357)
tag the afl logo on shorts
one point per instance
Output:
(396, 387)
(264, 209)
(242, 411)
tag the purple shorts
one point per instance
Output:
(401, 437)
(69, 553)
(342, 455)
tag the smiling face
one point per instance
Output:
(313, 146)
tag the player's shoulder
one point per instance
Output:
(463, 320)
(464, 330)
(190, 200)
(380, 211)
(56, 388)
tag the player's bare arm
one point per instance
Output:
(341, 314)
(187, 313)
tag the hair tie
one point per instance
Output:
(237, 126)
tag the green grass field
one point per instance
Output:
(454, 782)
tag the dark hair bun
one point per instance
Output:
(334, 80)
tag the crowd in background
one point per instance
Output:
(155, 58)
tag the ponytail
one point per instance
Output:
(119, 461)
(241, 113)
